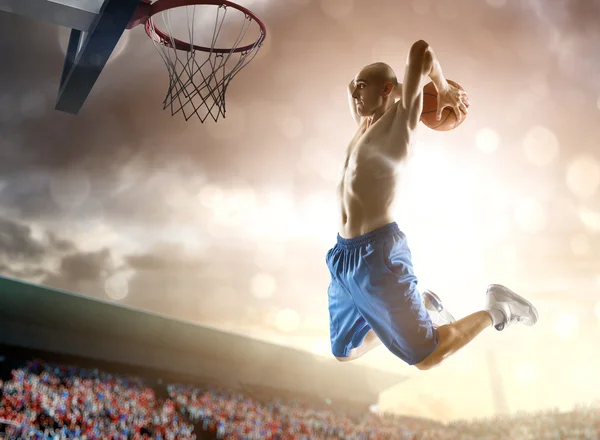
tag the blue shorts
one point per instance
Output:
(373, 286)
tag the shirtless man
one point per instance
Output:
(373, 296)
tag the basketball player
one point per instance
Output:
(373, 296)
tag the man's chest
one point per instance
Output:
(367, 162)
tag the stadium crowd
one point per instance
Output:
(582, 423)
(238, 417)
(67, 402)
(235, 416)
(52, 402)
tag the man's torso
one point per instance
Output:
(369, 178)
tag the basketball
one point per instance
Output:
(449, 120)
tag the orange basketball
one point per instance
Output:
(449, 120)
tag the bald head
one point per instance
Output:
(379, 73)
(375, 89)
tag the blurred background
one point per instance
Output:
(227, 224)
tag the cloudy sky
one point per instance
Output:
(227, 224)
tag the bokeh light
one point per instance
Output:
(590, 219)
(263, 286)
(116, 286)
(583, 176)
(540, 145)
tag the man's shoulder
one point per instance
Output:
(398, 113)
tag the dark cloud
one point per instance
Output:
(167, 258)
(82, 272)
(29, 195)
(60, 245)
(90, 266)
(28, 256)
(28, 273)
(16, 243)
(19, 245)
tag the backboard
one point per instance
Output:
(97, 26)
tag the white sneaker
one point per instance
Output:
(438, 313)
(515, 308)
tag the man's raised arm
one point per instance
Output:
(421, 63)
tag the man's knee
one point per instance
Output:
(423, 365)
(433, 360)
(448, 336)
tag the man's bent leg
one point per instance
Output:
(454, 336)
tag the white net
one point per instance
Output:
(203, 47)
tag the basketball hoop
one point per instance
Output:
(219, 47)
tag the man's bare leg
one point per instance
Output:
(455, 336)
(503, 308)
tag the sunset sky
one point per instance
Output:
(227, 224)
